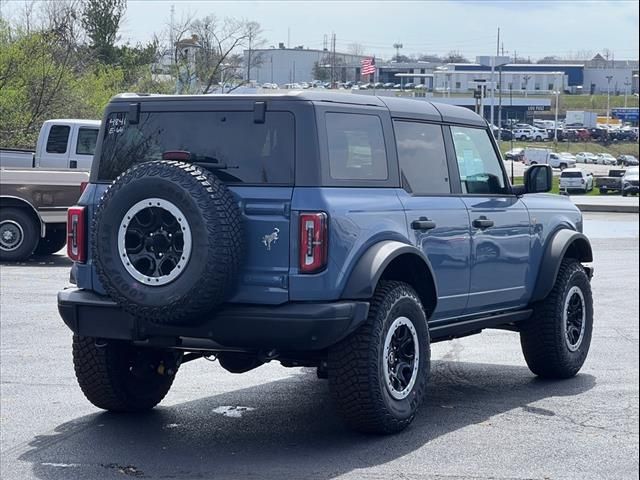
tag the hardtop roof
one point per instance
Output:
(399, 107)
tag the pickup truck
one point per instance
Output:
(66, 143)
(610, 183)
(33, 210)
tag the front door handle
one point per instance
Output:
(482, 223)
(423, 223)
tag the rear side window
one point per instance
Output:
(423, 162)
(231, 144)
(87, 138)
(58, 139)
(356, 147)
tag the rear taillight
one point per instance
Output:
(313, 242)
(77, 234)
(582, 181)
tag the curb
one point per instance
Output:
(608, 208)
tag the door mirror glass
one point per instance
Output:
(538, 179)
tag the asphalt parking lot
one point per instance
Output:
(486, 415)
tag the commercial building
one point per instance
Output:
(295, 65)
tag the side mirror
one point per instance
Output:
(538, 179)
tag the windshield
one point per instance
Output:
(232, 144)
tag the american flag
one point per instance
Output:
(368, 66)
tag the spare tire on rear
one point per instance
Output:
(167, 241)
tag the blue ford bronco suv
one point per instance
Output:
(343, 232)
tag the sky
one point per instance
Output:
(529, 29)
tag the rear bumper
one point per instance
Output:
(290, 327)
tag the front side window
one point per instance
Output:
(356, 147)
(87, 138)
(422, 157)
(480, 169)
(58, 139)
(231, 144)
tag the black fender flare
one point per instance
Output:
(372, 264)
(556, 250)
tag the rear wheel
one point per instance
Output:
(19, 234)
(53, 241)
(556, 340)
(119, 377)
(563, 166)
(378, 375)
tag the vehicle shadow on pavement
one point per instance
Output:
(289, 430)
(41, 261)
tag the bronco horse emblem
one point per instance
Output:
(267, 240)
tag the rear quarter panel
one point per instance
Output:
(358, 218)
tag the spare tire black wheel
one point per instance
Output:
(167, 241)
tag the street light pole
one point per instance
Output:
(609, 78)
(526, 84)
(626, 89)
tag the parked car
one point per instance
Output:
(569, 156)
(576, 179)
(263, 259)
(515, 154)
(506, 135)
(610, 183)
(540, 134)
(522, 134)
(409, 86)
(388, 85)
(627, 160)
(33, 210)
(605, 159)
(630, 182)
(586, 157)
(65, 144)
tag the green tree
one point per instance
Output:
(101, 21)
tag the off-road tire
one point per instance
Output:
(30, 234)
(355, 365)
(217, 236)
(543, 336)
(53, 241)
(107, 380)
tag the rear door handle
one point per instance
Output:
(423, 223)
(482, 223)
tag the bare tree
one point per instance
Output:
(355, 49)
(221, 42)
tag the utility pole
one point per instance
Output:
(333, 57)
(493, 82)
(626, 88)
(609, 78)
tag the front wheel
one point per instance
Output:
(119, 377)
(556, 339)
(378, 375)
(19, 234)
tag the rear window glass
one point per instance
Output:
(571, 175)
(356, 147)
(58, 139)
(230, 144)
(87, 138)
